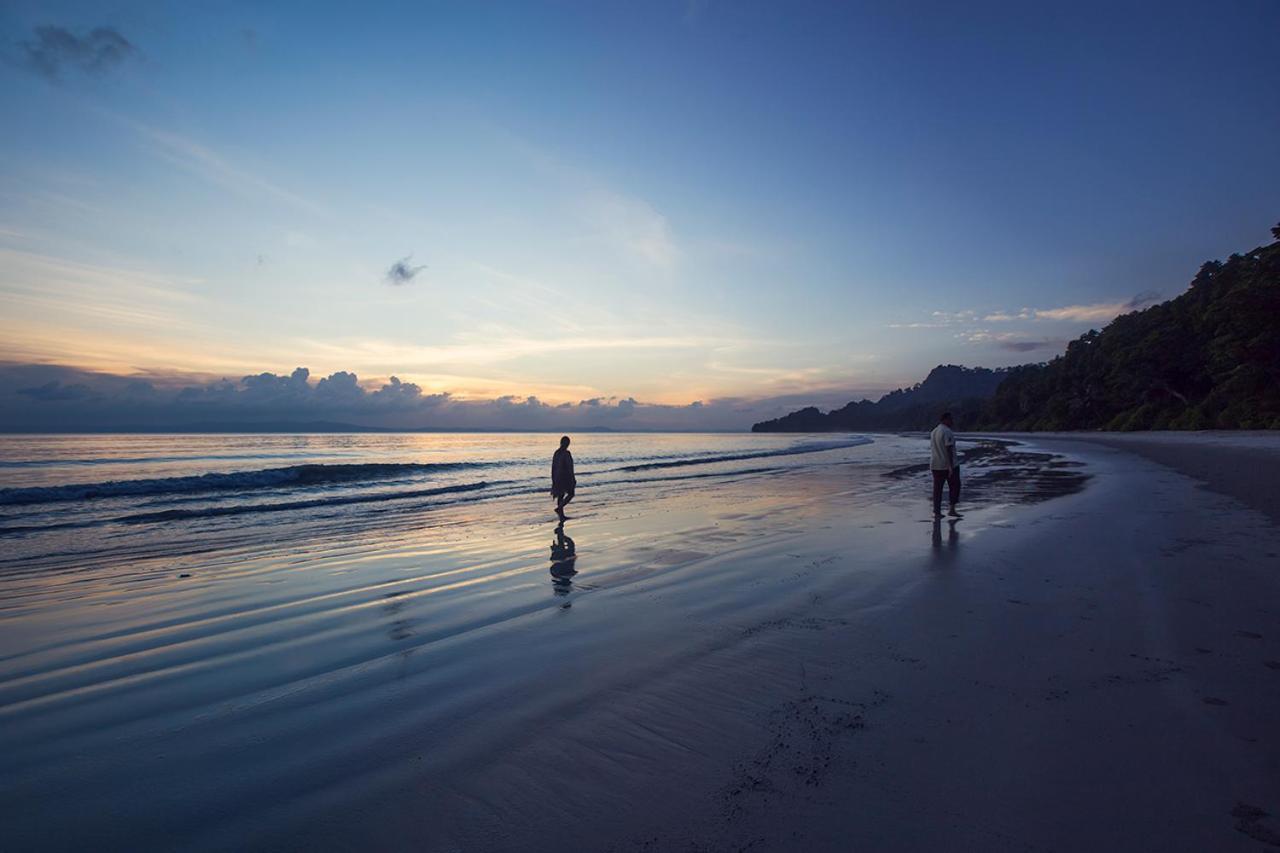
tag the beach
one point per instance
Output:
(765, 646)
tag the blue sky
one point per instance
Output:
(756, 204)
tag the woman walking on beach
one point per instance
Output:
(562, 479)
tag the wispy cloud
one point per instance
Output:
(986, 336)
(54, 308)
(72, 283)
(200, 160)
(489, 347)
(634, 227)
(1029, 346)
(56, 49)
(954, 316)
(1009, 341)
(939, 320)
(1097, 312)
(1093, 312)
(403, 271)
(13, 233)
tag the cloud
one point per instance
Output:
(1098, 312)
(986, 336)
(1145, 299)
(1009, 341)
(1095, 312)
(45, 397)
(401, 272)
(56, 391)
(202, 161)
(55, 49)
(1026, 346)
(634, 227)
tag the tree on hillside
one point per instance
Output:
(1209, 358)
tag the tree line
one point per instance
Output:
(1207, 359)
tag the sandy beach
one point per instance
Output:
(1089, 659)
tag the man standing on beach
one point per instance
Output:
(562, 479)
(943, 464)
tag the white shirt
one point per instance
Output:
(942, 441)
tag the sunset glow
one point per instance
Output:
(496, 223)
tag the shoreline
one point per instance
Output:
(1242, 465)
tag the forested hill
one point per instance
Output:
(1208, 359)
(948, 386)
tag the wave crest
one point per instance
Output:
(266, 478)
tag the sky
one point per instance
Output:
(661, 215)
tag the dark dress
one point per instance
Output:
(562, 479)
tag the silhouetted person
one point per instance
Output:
(562, 479)
(943, 464)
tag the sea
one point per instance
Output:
(69, 497)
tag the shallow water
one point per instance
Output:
(67, 494)
(171, 670)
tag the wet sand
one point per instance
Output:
(1243, 465)
(777, 662)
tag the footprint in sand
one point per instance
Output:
(1249, 821)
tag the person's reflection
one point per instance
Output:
(563, 557)
(953, 538)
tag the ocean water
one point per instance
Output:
(77, 495)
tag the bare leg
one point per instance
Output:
(953, 482)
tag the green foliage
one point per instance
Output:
(1209, 359)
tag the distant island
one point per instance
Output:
(1207, 359)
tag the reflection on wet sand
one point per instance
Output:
(563, 557)
(953, 538)
(399, 627)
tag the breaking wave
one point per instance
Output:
(812, 447)
(267, 478)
